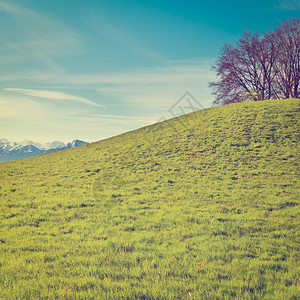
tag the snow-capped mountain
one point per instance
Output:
(7, 145)
(76, 143)
(12, 150)
(28, 142)
(46, 146)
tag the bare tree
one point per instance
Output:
(287, 39)
(232, 85)
(259, 67)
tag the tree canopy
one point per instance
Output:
(260, 67)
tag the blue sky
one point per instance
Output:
(93, 69)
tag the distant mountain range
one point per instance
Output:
(12, 150)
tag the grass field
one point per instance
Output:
(204, 206)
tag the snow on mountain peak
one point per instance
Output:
(28, 142)
(55, 144)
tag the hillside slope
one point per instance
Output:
(204, 206)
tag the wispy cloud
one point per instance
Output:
(123, 117)
(126, 121)
(23, 117)
(35, 39)
(148, 91)
(53, 95)
(22, 109)
(154, 90)
(14, 9)
(172, 72)
(288, 5)
(102, 24)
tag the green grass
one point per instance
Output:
(204, 206)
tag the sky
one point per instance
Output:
(93, 69)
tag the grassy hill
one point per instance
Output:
(204, 206)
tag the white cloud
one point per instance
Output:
(173, 72)
(34, 38)
(133, 118)
(11, 8)
(158, 88)
(102, 23)
(288, 5)
(22, 117)
(150, 88)
(150, 92)
(120, 122)
(22, 109)
(52, 95)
